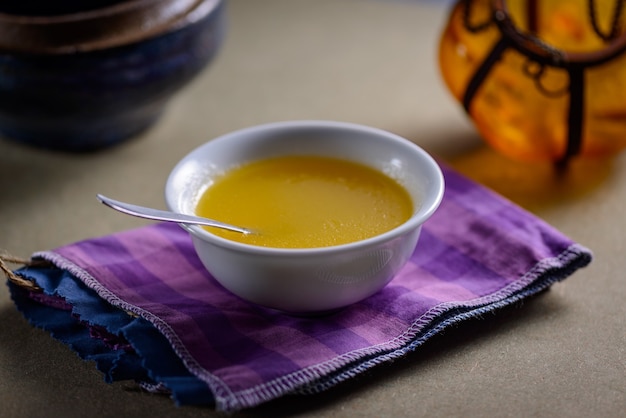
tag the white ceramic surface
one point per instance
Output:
(307, 281)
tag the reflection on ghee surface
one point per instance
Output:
(305, 202)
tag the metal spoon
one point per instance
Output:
(164, 215)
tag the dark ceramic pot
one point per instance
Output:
(88, 80)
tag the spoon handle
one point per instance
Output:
(163, 215)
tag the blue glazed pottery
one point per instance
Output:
(91, 79)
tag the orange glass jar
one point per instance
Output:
(542, 80)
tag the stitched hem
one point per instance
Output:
(325, 375)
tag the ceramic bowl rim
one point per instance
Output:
(414, 222)
(44, 34)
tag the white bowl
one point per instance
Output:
(311, 280)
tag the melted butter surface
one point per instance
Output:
(305, 202)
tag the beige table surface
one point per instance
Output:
(562, 353)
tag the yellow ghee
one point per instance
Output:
(305, 202)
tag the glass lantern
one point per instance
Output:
(541, 80)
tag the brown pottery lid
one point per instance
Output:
(119, 24)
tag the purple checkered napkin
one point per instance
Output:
(479, 252)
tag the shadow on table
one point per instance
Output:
(532, 185)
